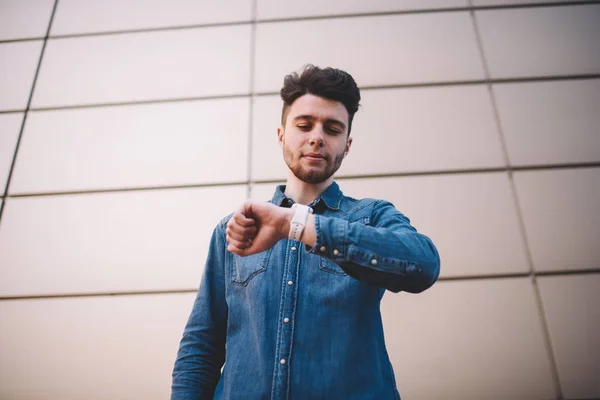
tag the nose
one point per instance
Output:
(316, 137)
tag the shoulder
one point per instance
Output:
(351, 205)
(371, 210)
(223, 223)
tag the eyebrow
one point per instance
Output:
(328, 120)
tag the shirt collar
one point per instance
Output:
(331, 197)
(279, 198)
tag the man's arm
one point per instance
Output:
(202, 349)
(390, 253)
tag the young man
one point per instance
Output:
(289, 300)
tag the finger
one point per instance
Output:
(240, 244)
(233, 237)
(244, 208)
(242, 220)
(246, 233)
(236, 250)
(231, 233)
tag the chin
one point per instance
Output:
(314, 176)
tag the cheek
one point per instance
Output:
(289, 147)
(341, 146)
(293, 141)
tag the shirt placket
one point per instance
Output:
(286, 322)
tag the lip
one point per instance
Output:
(314, 156)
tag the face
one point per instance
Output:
(315, 138)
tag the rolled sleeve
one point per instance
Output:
(389, 254)
(332, 238)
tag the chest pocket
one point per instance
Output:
(243, 269)
(331, 267)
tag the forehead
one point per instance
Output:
(318, 107)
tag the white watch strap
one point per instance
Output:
(299, 221)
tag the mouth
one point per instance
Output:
(314, 156)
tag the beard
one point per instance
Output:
(312, 175)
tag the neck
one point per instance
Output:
(302, 192)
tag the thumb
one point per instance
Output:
(237, 250)
(246, 209)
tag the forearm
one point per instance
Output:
(396, 257)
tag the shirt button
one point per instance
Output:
(294, 248)
(282, 361)
(373, 262)
(411, 268)
(336, 252)
(286, 320)
(290, 283)
(322, 249)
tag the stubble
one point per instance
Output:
(311, 175)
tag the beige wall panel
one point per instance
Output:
(24, 19)
(398, 130)
(571, 306)
(114, 347)
(424, 129)
(518, 2)
(17, 70)
(110, 242)
(468, 340)
(550, 122)
(471, 218)
(134, 146)
(560, 212)
(267, 9)
(541, 41)
(10, 125)
(145, 66)
(264, 191)
(267, 156)
(379, 50)
(84, 16)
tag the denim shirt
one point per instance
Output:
(295, 322)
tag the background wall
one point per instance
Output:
(128, 129)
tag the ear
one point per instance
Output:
(348, 144)
(280, 133)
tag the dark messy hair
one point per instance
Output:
(330, 83)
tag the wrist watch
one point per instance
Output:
(299, 221)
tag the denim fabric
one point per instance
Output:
(304, 323)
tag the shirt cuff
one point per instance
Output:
(332, 238)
